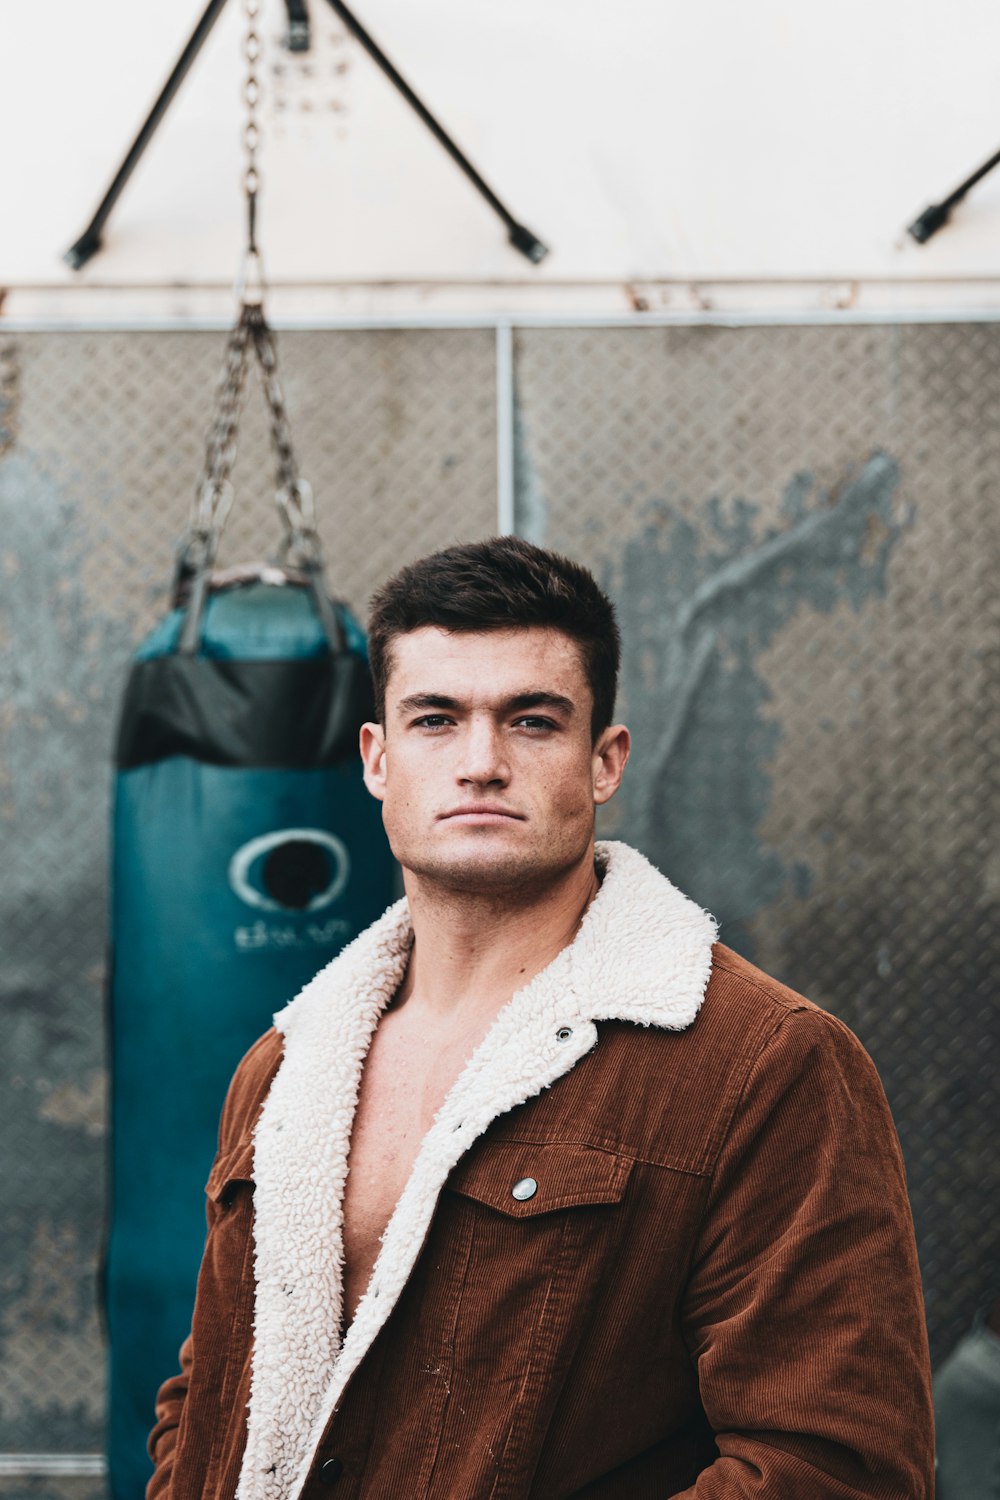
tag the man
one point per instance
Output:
(537, 1190)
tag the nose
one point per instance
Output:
(483, 760)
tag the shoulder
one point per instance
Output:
(754, 1048)
(768, 1015)
(799, 1062)
(763, 1022)
(737, 984)
(249, 1088)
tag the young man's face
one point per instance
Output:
(485, 765)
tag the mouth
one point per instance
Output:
(480, 813)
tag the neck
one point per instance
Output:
(471, 954)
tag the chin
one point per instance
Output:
(484, 867)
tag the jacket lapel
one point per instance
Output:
(643, 953)
(301, 1147)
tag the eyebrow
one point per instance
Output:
(520, 701)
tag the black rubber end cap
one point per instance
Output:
(529, 244)
(78, 255)
(930, 221)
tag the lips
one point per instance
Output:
(482, 811)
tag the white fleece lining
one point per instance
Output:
(643, 954)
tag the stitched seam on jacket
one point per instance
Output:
(787, 1007)
(736, 1087)
(535, 1366)
(687, 1170)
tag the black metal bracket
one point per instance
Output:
(91, 240)
(518, 234)
(937, 215)
(298, 38)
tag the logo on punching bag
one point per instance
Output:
(292, 870)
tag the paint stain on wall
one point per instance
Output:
(699, 605)
(60, 675)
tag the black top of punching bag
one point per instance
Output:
(238, 703)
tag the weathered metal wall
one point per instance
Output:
(801, 528)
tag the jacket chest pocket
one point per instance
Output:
(539, 1224)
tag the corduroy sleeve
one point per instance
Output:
(163, 1438)
(803, 1310)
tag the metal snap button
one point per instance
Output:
(526, 1188)
(331, 1471)
(564, 1033)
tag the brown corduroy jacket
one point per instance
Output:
(710, 1291)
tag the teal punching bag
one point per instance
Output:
(246, 853)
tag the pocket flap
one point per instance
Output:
(228, 1168)
(557, 1175)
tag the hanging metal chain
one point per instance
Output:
(214, 492)
(301, 547)
(281, 433)
(251, 130)
(294, 495)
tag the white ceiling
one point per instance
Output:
(646, 139)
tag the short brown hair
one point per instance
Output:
(500, 584)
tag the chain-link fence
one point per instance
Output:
(801, 528)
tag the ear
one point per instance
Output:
(372, 745)
(610, 756)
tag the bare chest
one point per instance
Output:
(405, 1081)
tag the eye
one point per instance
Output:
(432, 721)
(535, 723)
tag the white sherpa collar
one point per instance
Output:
(643, 954)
